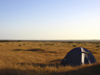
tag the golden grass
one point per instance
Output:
(43, 58)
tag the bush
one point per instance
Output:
(19, 45)
(74, 45)
(97, 46)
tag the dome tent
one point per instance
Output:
(78, 56)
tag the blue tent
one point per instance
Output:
(78, 56)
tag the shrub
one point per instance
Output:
(97, 46)
(19, 45)
(74, 45)
(23, 44)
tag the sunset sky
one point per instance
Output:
(50, 19)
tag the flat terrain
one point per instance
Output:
(44, 57)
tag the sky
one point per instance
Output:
(50, 19)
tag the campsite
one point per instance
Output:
(44, 58)
(49, 37)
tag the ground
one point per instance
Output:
(44, 57)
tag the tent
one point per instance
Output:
(78, 56)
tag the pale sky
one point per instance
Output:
(50, 19)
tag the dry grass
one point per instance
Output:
(43, 58)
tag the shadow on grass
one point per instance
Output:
(90, 70)
(18, 50)
(41, 50)
(40, 64)
(57, 62)
(29, 50)
(35, 50)
(54, 63)
(17, 72)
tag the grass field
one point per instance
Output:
(43, 58)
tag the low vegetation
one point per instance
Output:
(44, 57)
